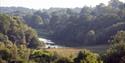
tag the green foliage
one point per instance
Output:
(14, 53)
(87, 57)
(63, 60)
(3, 37)
(116, 52)
(13, 29)
(41, 56)
(4, 23)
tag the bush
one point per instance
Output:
(63, 60)
(41, 56)
(87, 57)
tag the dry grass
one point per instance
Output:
(67, 52)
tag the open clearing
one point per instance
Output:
(67, 52)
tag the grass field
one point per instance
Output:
(67, 52)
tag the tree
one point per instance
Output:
(116, 52)
(13, 29)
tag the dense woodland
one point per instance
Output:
(73, 27)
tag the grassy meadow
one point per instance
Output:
(68, 52)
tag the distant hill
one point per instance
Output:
(21, 11)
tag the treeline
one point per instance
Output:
(75, 27)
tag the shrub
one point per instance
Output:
(41, 56)
(63, 60)
(87, 57)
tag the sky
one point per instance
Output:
(45, 4)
